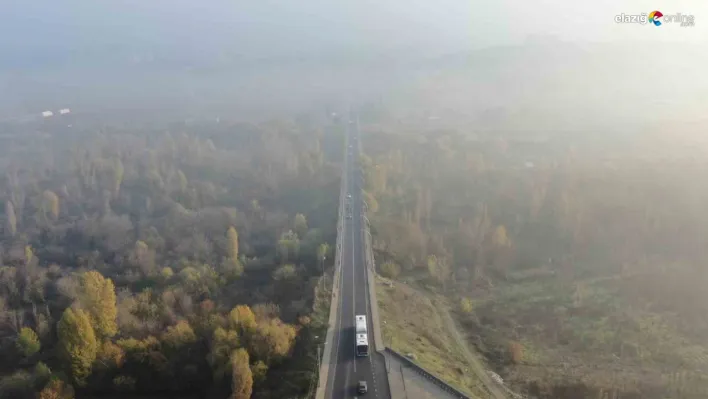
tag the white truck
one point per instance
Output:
(362, 338)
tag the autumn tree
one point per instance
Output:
(438, 269)
(50, 204)
(241, 375)
(143, 258)
(181, 181)
(300, 225)
(179, 335)
(11, 222)
(77, 342)
(109, 356)
(466, 305)
(118, 172)
(272, 340)
(223, 344)
(232, 243)
(28, 342)
(516, 352)
(500, 238)
(57, 389)
(390, 270)
(98, 297)
(242, 319)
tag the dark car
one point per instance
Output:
(362, 388)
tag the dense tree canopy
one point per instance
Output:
(138, 261)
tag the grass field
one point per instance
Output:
(594, 336)
(411, 324)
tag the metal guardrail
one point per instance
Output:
(428, 375)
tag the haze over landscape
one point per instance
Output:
(533, 174)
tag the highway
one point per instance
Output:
(346, 368)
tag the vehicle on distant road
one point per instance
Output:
(361, 387)
(362, 338)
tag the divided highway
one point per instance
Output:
(346, 369)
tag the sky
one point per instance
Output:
(267, 27)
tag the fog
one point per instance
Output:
(532, 174)
(552, 61)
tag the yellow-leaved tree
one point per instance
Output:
(232, 243)
(241, 377)
(77, 343)
(98, 297)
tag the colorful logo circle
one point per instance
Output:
(654, 17)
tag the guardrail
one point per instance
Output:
(428, 375)
(329, 340)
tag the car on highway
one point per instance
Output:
(362, 388)
(349, 196)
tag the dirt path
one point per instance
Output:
(475, 365)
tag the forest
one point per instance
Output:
(576, 266)
(177, 260)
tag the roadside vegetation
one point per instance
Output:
(412, 326)
(577, 269)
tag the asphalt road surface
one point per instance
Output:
(347, 369)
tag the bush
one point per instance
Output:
(390, 270)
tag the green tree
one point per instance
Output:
(285, 273)
(300, 225)
(231, 268)
(289, 246)
(28, 342)
(241, 377)
(259, 371)
(77, 342)
(232, 243)
(322, 252)
(98, 296)
(41, 375)
(390, 270)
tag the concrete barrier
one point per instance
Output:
(371, 280)
(428, 375)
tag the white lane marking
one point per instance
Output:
(340, 299)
